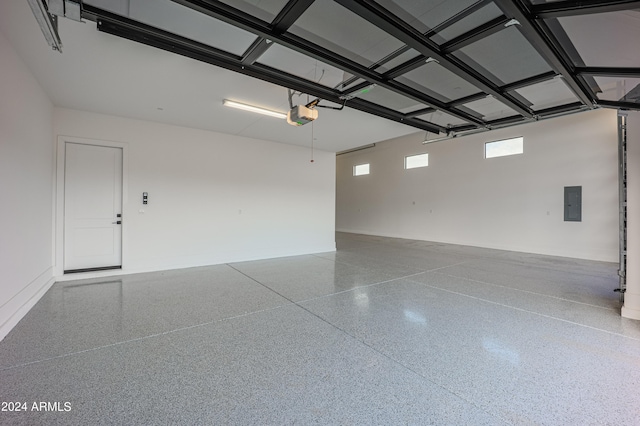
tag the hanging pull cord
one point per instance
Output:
(312, 138)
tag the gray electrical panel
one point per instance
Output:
(573, 204)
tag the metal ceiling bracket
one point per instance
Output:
(66, 8)
(470, 37)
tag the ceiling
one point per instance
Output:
(397, 66)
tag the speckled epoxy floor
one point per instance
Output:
(384, 331)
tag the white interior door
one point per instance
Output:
(92, 207)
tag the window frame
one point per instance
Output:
(425, 154)
(355, 169)
(508, 154)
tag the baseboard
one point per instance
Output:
(609, 257)
(631, 308)
(25, 300)
(165, 264)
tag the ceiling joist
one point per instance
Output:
(536, 23)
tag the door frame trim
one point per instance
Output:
(58, 238)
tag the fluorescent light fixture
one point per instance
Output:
(252, 108)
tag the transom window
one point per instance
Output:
(361, 169)
(414, 161)
(504, 147)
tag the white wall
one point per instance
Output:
(631, 308)
(26, 184)
(513, 203)
(213, 198)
